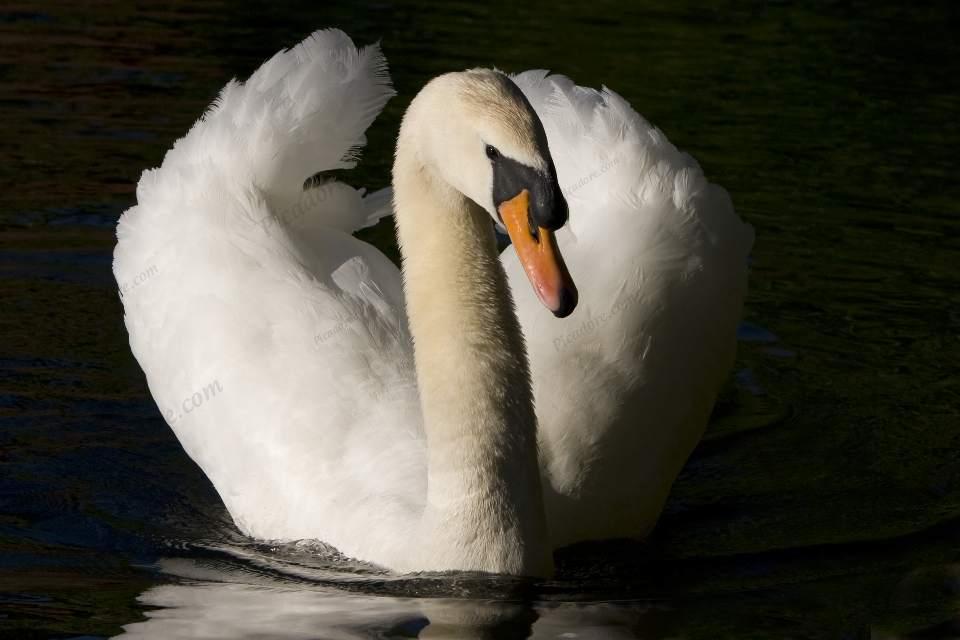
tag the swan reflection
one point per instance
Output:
(206, 603)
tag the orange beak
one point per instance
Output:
(538, 252)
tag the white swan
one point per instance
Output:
(279, 347)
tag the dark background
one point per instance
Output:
(825, 499)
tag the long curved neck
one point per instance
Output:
(484, 508)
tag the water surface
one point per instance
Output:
(825, 498)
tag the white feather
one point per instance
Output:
(258, 287)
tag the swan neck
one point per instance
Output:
(484, 509)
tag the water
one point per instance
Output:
(825, 499)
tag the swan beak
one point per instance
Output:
(540, 256)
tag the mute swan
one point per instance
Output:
(281, 349)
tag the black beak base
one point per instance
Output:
(548, 207)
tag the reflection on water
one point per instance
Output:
(212, 599)
(825, 498)
(209, 604)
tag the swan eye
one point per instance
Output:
(492, 152)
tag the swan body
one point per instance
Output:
(326, 395)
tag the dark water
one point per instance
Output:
(825, 499)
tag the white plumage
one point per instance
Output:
(257, 290)
(625, 385)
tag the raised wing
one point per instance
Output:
(624, 386)
(273, 341)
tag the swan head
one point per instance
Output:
(479, 135)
